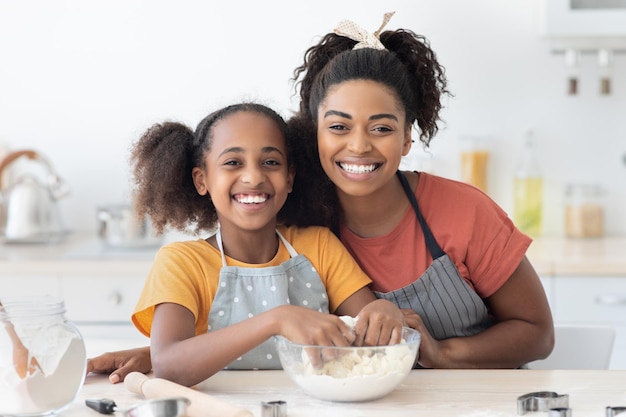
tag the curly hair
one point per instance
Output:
(407, 66)
(162, 160)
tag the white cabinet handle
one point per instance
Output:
(611, 300)
(115, 298)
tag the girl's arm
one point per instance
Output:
(380, 322)
(180, 356)
(523, 329)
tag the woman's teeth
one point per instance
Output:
(357, 169)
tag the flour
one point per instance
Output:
(354, 388)
(60, 352)
(357, 374)
(55, 390)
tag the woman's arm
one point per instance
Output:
(523, 329)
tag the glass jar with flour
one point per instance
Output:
(42, 356)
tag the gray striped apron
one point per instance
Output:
(447, 304)
(244, 292)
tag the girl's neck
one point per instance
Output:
(251, 247)
(378, 213)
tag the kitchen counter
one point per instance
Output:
(428, 393)
(75, 254)
(551, 256)
(589, 256)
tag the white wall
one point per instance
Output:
(80, 80)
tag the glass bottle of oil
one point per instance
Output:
(528, 191)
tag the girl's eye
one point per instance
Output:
(337, 127)
(232, 163)
(271, 162)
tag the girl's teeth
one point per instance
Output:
(252, 199)
(358, 169)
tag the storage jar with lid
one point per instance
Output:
(42, 356)
(584, 211)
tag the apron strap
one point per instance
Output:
(433, 247)
(218, 237)
(290, 249)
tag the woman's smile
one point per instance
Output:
(358, 169)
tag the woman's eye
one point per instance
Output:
(382, 129)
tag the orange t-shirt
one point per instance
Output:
(468, 225)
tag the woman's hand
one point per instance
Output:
(380, 322)
(428, 345)
(120, 363)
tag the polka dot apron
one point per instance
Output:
(244, 292)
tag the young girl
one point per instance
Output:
(440, 249)
(214, 303)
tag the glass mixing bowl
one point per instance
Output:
(353, 373)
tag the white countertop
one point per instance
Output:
(550, 257)
(583, 256)
(428, 393)
(75, 254)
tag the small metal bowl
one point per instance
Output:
(159, 407)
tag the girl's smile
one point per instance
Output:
(251, 199)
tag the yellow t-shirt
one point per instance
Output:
(187, 273)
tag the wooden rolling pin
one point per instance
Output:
(202, 405)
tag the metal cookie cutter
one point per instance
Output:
(560, 412)
(274, 409)
(541, 401)
(613, 411)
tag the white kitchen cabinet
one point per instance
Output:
(31, 285)
(99, 294)
(593, 300)
(101, 307)
(104, 299)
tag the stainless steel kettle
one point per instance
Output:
(29, 211)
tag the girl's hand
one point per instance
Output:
(121, 363)
(305, 326)
(379, 323)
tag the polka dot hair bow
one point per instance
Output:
(364, 39)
